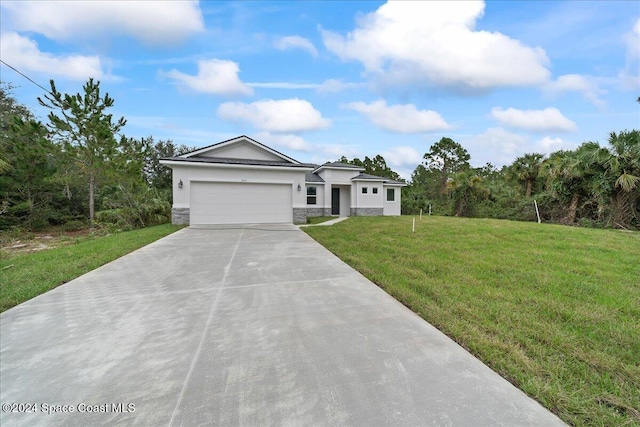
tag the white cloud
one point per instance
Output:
(285, 85)
(629, 81)
(296, 42)
(288, 141)
(548, 145)
(630, 75)
(400, 118)
(336, 85)
(24, 54)
(402, 156)
(330, 85)
(153, 22)
(501, 147)
(332, 152)
(585, 85)
(549, 119)
(215, 76)
(286, 115)
(497, 146)
(409, 42)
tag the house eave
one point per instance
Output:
(368, 180)
(234, 140)
(185, 162)
(340, 168)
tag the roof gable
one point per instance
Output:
(369, 177)
(313, 177)
(338, 165)
(241, 147)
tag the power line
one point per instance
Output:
(26, 77)
(40, 86)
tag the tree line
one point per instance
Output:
(78, 169)
(593, 185)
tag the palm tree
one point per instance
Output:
(564, 178)
(569, 175)
(465, 188)
(619, 177)
(4, 158)
(525, 169)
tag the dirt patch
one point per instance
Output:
(34, 242)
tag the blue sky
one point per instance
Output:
(318, 80)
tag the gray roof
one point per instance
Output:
(341, 165)
(313, 177)
(394, 182)
(238, 138)
(367, 177)
(233, 161)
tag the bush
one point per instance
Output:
(132, 208)
(118, 219)
(74, 225)
(15, 233)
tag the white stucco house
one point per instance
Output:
(241, 181)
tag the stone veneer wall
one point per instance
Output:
(366, 211)
(180, 216)
(299, 215)
(316, 212)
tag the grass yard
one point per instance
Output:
(27, 275)
(553, 309)
(319, 219)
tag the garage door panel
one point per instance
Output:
(237, 203)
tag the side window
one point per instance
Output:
(391, 194)
(374, 190)
(365, 190)
(311, 196)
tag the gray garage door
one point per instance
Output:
(240, 203)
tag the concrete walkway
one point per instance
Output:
(330, 222)
(242, 326)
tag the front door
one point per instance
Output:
(335, 201)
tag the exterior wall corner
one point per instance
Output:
(180, 216)
(299, 215)
(366, 211)
(312, 212)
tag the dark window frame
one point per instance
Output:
(392, 192)
(312, 195)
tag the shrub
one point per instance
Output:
(74, 225)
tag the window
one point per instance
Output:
(311, 195)
(391, 194)
(374, 190)
(365, 190)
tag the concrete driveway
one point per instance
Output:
(252, 326)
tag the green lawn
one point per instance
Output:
(319, 219)
(24, 276)
(553, 309)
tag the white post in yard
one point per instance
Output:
(537, 211)
(413, 230)
(429, 210)
(420, 213)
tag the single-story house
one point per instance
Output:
(243, 181)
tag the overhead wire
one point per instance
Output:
(39, 85)
(27, 77)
